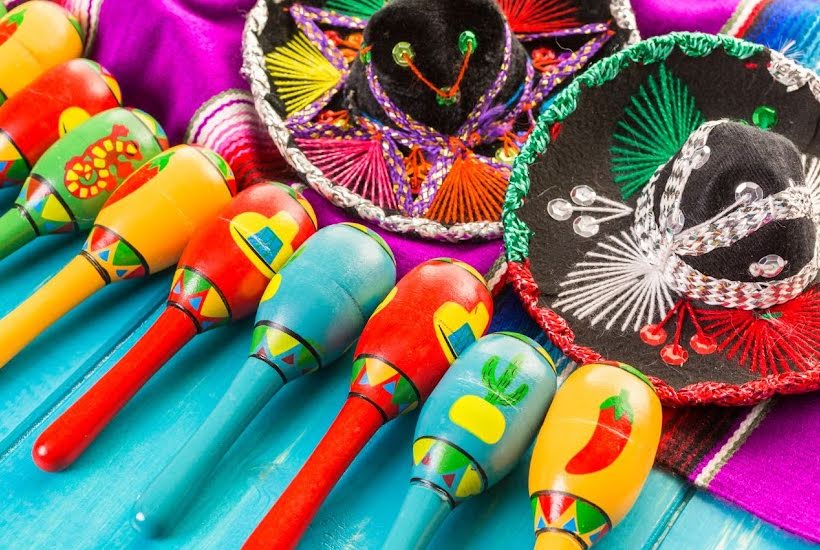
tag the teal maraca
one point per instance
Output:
(473, 430)
(312, 311)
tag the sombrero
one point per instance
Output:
(665, 213)
(410, 112)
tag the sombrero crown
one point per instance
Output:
(410, 112)
(681, 234)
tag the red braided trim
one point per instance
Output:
(553, 324)
(702, 393)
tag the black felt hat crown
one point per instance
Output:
(410, 111)
(668, 208)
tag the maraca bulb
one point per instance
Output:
(312, 312)
(34, 37)
(73, 179)
(142, 229)
(220, 278)
(55, 103)
(435, 312)
(593, 455)
(473, 430)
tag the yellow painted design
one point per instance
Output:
(273, 287)
(471, 269)
(309, 209)
(114, 86)
(248, 229)
(478, 417)
(450, 317)
(387, 300)
(300, 73)
(54, 211)
(378, 371)
(470, 484)
(420, 448)
(71, 118)
(214, 307)
(279, 342)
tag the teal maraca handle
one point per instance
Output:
(165, 501)
(424, 509)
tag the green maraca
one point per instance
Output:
(70, 183)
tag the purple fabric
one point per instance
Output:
(410, 251)
(776, 473)
(664, 16)
(172, 56)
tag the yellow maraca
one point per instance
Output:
(142, 229)
(592, 455)
(34, 37)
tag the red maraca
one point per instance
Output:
(221, 277)
(435, 312)
(59, 100)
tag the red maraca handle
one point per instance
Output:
(290, 517)
(68, 436)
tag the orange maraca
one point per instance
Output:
(142, 229)
(34, 37)
(592, 455)
(436, 311)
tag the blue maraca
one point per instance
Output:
(311, 313)
(473, 430)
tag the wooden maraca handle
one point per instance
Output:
(283, 526)
(74, 430)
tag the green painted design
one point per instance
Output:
(765, 117)
(497, 387)
(516, 233)
(355, 8)
(638, 374)
(449, 459)
(404, 394)
(77, 27)
(589, 517)
(358, 365)
(621, 406)
(656, 124)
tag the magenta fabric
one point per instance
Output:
(172, 56)
(776, 473)
(665, 16)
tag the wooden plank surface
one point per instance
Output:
(89, 505)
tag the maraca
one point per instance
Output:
(75, 176)
(142, 229)
(312, 312)
(59, 100)
(435, 312)
(220, 278)
(473, 430)
(593, 455)
(34, 37)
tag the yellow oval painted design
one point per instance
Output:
(479, 417)
(71, 118)
(387, 300)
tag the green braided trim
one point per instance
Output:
(516, 233)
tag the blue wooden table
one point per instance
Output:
(89, 505)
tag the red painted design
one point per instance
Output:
(609, 439)
(10, 25)
(117, 155)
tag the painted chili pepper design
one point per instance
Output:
(10, 24)
(611, 434)
(103, 164)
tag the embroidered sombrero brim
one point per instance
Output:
(298, 77)
(588, 189)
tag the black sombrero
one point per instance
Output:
(410, 112)
(665, 213)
